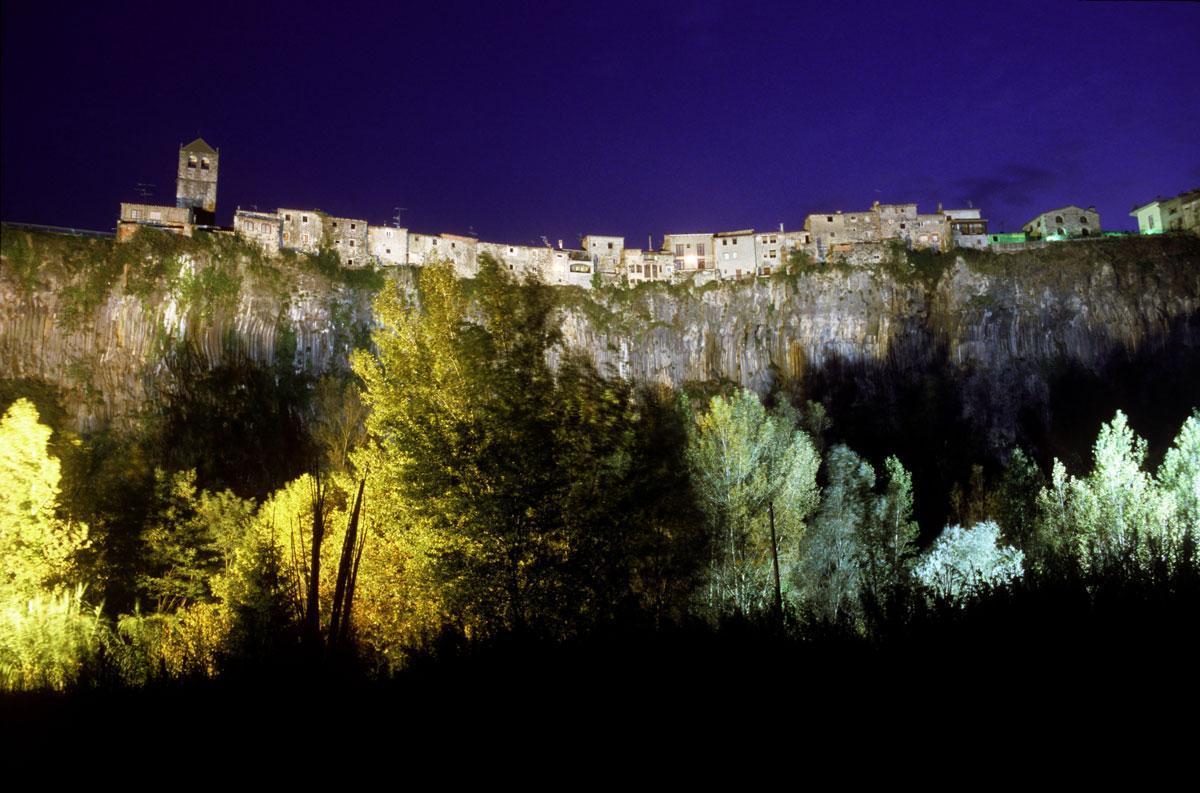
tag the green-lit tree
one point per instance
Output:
(755, 475)
(830, 577)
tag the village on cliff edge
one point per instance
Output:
(858, 237)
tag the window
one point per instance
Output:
(335, 224)
(388, 234)
(135, 214)
(1083, 219)
(700, 249)
(286, 236)
(353, 226)
(829, 218)
(610, 246)
(388, 251)
(204, 163)
(191, 162)
(724, 242)
(349, 262)
(351, 243)
(679, 250)
(735, 240)
(287, 217)
(581, 268)
(1058, 219)
(903, 225)
(304, 218)
(155, 215)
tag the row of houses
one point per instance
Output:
(735, 254)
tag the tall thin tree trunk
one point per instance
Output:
(312, 611)
(775, 562)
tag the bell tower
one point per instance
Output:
(196, 181)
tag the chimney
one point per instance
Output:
(560, 245)
(780, 228)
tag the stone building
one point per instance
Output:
(834, 228)
(1181, 213)
(196, 181)
(388, 245)
(881, 222)
(301, 230)
(641, 265)
(968, 229)
(689, 251)
(176, 220)
(348, 237)
(770, 251)
(459, 250)
(733, 252)
(1064, 223)
(195, 197)
(605, 253)
(262, 228)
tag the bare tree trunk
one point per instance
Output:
(312, 609)
(775, 562)
(339, 624)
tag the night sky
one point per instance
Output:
(518, 121)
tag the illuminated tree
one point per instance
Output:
(888, 537)
(1115, 518)
(36, 545)
(1179, 476)
(501, 478)
(755, 474)
(964, 562)
(831, 577)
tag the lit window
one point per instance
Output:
(204, 164)
(351, 243)
(137, 213)
(191, 162)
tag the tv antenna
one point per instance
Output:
(144, 189)
(397, 219)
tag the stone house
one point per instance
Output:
(175, 220)
(733, 252)
(349, 238)
(1064, 223)
(388, 245)
(1181, 213)
(689, 251)
(262, 228)
(968, 229)
(605, 253)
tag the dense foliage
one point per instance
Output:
(470, 480)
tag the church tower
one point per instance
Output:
(196, 182)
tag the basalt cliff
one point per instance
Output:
(94, 320)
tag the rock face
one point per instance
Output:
(998, 320)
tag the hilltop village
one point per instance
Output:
(858, 237)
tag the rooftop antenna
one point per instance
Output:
(144, 189)
(397, 219)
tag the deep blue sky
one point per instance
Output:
(558, 119)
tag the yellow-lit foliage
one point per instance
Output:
(47, 639)
(36, 545)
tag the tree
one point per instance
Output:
(37, 545)
(964, 562)
(1114, 519)
(501, 474)
(830, 577)
(755, 475)
(888, 540)
(1179, 476)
